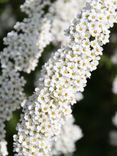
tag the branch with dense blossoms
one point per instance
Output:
(24, 47)
(64, 76)
(18, 56)
(26, 43)
(11, 83)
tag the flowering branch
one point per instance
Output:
(64, 75)
(24, 47)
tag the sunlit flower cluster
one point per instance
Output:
(63, 77)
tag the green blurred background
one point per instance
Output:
(94, 113)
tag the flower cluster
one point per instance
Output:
(24, 47)
(65, 141)
(3, 143)
(21, 54)
(64, 76)
(32, 7)
(62, 19)
(11, 94)
(26, 43)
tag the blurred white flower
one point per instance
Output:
(114, 86)
(65, 141)
(113, 138)
(114, 120)
(113, 133)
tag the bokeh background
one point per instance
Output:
(94, 113)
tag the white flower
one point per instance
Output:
(114, 87)
(114, 120)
